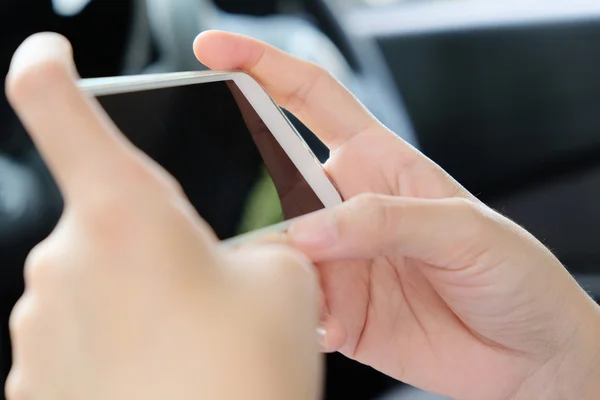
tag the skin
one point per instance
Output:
(418, 278)
(132, 297)
(421, 281)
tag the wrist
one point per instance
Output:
(575, 372)
(591, 386)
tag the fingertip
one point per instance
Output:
(332, 334)
(212, 49)
(204, 40)
(207, 36)
(317, 231)
(43, 61)
(224, 50)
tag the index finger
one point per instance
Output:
(77, 140)
(303, 88)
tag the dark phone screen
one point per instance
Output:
(213, 142)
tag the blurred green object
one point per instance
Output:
(262, 207)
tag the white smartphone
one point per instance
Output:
(223, 138)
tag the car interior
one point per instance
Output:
(504, 95)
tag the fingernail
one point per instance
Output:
(315, 231)
(322, 338)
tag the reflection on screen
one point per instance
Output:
(229, 164)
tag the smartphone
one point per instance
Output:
(239, 160)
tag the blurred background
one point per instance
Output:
(505, 95)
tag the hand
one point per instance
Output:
(131, 297)
(421, 280)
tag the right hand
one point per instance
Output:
(421, 280)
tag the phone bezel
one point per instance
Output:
(273, 117)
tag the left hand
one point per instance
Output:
(132, 297)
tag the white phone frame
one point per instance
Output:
(282, 129)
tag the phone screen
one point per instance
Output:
(213, 142)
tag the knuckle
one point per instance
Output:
(169, 184)
(15, 387)
(466, 208)
(39, 266)
(321, 74)
(316, 75)
(20, 317)
(368, 201)
(472, 215)
(377, 209)
(174, 185)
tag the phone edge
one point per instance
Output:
(280, 126)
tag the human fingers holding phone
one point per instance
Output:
(421, 280)
(460, 301)
(131, 297)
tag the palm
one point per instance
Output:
(395, 319)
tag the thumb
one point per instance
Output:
(434, 231)
(82, 147)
